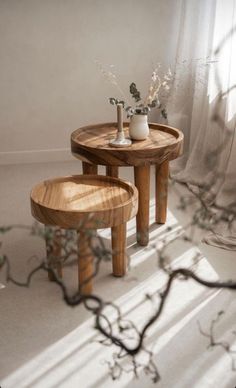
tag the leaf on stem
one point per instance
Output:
(134, 92)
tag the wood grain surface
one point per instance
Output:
(85, 263)
(84, 201)
(91, 144)
(119, 255)
(162, 176)
(142, 182)
(112, 171)
(89, 169)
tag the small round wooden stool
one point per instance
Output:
(87, 203)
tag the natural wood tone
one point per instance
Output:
(53, 251)
(91, 169)
(95, 200)
(162, 175)
(85, 202)
(91, 144)
(142, 182)
(119, 258)
(118, 236)
(85, 263)
(112, 171)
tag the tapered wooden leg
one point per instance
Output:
(53, 248)
(142, 182)
(112, 171)
(85, 263)
(89, 169)
(119, 257)
(162, 174)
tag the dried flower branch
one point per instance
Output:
(152, 100)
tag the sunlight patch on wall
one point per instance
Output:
(223, 74)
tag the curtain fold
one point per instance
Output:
(203, 105)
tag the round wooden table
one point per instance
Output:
(87, 203)
(91, 145)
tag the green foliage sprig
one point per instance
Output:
(134, 92)
(152, 98)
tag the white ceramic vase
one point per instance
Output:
(138, 128)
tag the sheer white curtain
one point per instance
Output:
(205, 72)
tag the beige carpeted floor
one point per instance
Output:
(35, 318)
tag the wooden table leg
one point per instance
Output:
(53, 248)
(89, 169)
(112, 171)
(85, 262)
(117, 236)
(142, 182)
(119, 257)
(162, 174)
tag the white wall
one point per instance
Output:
(49, 83)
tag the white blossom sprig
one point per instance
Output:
(110, 76)
(152, 100)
